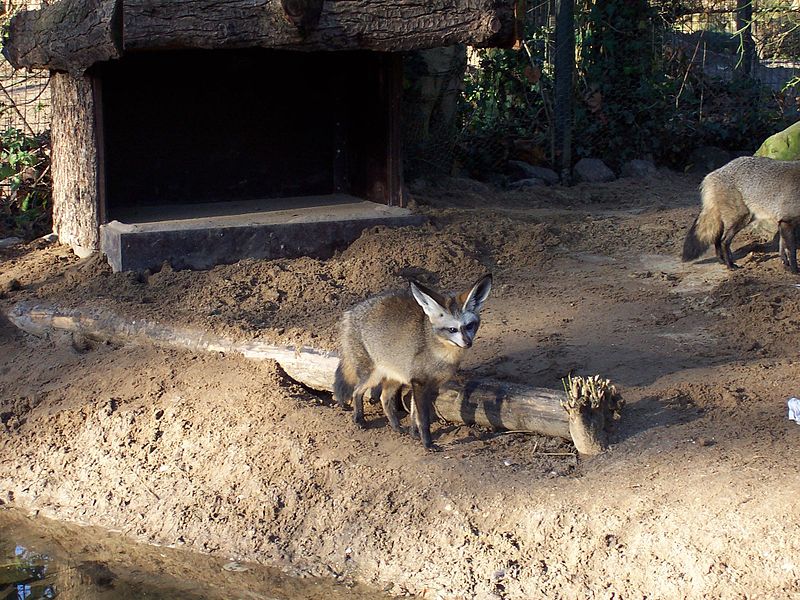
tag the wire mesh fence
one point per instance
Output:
(649, 83)
(25, 184)
(24, 96)
(652, 80)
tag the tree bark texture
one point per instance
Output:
(66, 36)
(505, 406)
(74, 34)
(74, 163)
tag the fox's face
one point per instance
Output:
(456, 320)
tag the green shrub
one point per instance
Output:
(636, 95)
(25, 185)
(507, 98)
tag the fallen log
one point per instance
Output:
(488, 403)
(309, 366)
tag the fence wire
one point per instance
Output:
(24, 96)
(699, 93)
(469, 111)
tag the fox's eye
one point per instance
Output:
(452, 329)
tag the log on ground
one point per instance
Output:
(488, 403)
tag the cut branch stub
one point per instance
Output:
(593, 405)
(303, 14)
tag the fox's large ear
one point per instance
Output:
(428, 300)
(472, 301)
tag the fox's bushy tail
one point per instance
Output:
(707, 227)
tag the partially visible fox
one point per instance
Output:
(750, 188)
(414, 338)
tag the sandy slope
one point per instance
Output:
(697, 497)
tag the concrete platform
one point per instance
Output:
(203, 235)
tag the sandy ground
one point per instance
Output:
(696, 498)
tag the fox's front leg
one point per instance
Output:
(424, 395)
(413, 430)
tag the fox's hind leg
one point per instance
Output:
(345, 381)
(730, 231)
(358, 405)
(389, 402)
(358, 400)
(355, 365)
(788, 246)
(718, 249)
(727, 238)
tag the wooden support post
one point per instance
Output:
(75, 164)
(394, 150)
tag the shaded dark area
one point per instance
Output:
(204, 126)
(42, 559)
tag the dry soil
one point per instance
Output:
(696, 498)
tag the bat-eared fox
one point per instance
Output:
(414, 338)
(750, 188)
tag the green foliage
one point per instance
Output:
(616, 45)
(498, 93)
(639, 93)
(616, 88)
(505, 100)
(25, 187)
(670, 115)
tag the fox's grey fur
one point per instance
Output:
(413, 338)
(750, 188)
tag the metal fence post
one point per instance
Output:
(564, 74)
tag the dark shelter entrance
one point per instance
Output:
(189, 127)
(209, 156)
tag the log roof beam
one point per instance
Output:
(73, 35)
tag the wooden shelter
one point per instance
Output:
(170, 111)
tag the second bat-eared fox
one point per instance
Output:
(414, 338)
(750, 188)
